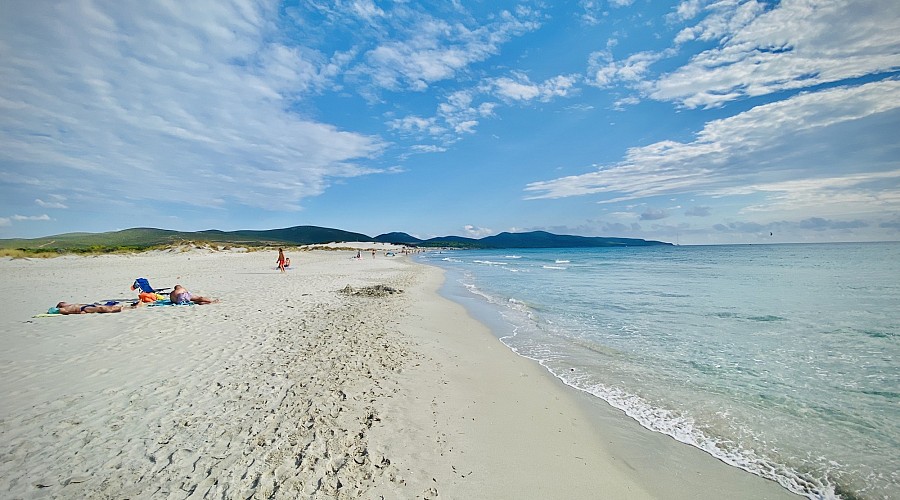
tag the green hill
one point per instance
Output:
(144, 238)
(128, 238)
(543, 239)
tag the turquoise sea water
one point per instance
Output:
(783, 360)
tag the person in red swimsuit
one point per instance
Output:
(282, 261)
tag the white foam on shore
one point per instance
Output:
(521, 317)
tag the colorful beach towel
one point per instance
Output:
(167, 302)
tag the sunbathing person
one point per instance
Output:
(67, 308)
(180, 295)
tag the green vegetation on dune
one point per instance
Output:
(137, 238)
(142, 238)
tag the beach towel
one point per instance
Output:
(51, 313)
(168, 302)
(150, 297)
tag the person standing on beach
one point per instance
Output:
(281, 259)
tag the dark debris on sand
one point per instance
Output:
(370, 291)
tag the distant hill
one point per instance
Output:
(397, 238)
(298, 235)
(136, 238)
(543, 239)
(534, 239)
(141, 238)
(452, 241)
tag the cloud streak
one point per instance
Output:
(797, 44)
(463, 110)
(191, 104)
(738, 156)
(437, 49)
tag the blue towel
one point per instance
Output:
(168, 302)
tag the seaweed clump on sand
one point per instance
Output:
(370, 291)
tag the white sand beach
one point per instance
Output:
(290, 388)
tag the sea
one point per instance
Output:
(782, 360)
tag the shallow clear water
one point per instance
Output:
(779, 359)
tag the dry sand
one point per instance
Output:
(291, 388)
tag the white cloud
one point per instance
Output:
(29, 217)
(476, 232)
(516, 89)
(461, 114)
(427, 148)
(580, 107)
(366, 9)
(185, 102)
(458, 114)
(688, 9)
(558, 86)
(52, 204)
(436, 49)
(832, 196)
(466, 127)
(797, 44)
(520, 88)
(620, 104)
(592, 11)
(605, 72)
(724, 19)
(486, 109)
(416, 124)
(462, 110)
(794, 141)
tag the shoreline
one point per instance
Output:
(584, 446)
(288, 388)
(646, 455)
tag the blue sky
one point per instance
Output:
(695, 121)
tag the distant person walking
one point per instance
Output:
(282, 261)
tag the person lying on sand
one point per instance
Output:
(67, 308)
(181, 295)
